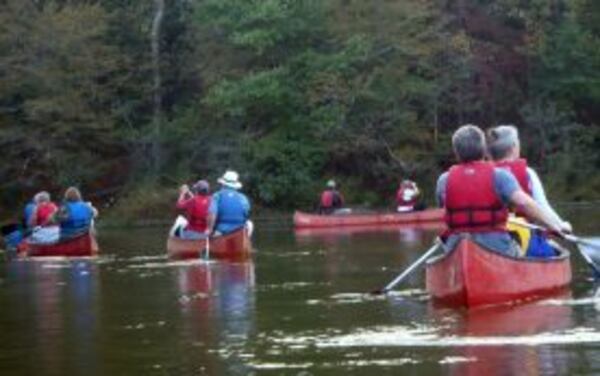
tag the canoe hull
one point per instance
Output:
(81, 246)
(471, 275)
(307, 220)
(233, 246)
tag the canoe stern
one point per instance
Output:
(470, 275)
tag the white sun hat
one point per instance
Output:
(230, 179)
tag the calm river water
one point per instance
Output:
(301, 307)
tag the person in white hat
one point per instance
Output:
(229, 209)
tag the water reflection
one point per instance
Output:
(526, 324)
(58, 302)
(409, 234)
(217, 309)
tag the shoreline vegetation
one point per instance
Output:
(129, 99)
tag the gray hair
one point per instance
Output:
(42, 196)
(468, 143)
(501, 140)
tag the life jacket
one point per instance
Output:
(471, 202)
(518, 167)
(231, 211)
(44, 212)
(327, 199)
(197, 213)
(407, 195)
(331, 199)
(78, 221)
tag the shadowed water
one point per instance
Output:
(300, 307)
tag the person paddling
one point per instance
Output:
(44, 229)
(476, 196)
(195, 203)
(229, 208)
(407, 196)
(75, 217)
(504, 148)
(331, 199)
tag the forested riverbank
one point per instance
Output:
(129, 99)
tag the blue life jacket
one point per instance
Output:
(232, 210)
(78, 221)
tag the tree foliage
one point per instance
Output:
(291, 93)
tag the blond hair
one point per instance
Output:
(72, 194)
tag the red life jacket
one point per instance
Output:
(44, 212)
(331, 199)
(197, 213)
(472, 204)
(327, 199)
(518, 167)
(400, 201)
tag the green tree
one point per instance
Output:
(58, 79)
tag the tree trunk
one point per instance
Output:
(157, 88)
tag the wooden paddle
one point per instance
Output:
(588, 249)
(437, 245)
(207, 249)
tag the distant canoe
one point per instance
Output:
(471, 275)
(233, 246)
(81, 246)
(307, 220)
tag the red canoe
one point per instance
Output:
(307, 220)
(471, 275)
(233, 246)
(81, 246)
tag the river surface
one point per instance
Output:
(300, 307)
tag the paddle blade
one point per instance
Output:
(590, 249)
(591, 246)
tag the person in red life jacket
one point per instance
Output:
(44, 230)
(476, 196)
(407, 196)
(331, 199)
(505, 149)
(44, 210)
(195, 203)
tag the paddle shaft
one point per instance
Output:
(207, 254)
(410, 269)
(569, 237)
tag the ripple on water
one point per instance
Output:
(361, 297)
(171, 264)
(290, 285)
(423, 336)
(457, 359)
(147, 258)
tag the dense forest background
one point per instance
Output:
(128, 99)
